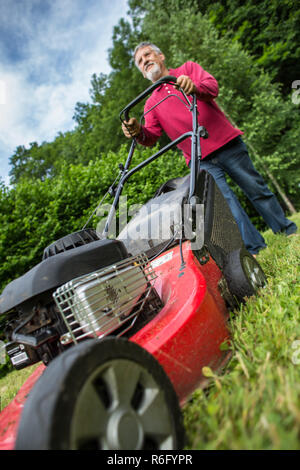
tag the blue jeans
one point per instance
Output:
(234, 160)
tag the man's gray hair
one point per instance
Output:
(145, 44)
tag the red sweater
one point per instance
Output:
(175, 119)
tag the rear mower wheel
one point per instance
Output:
(108, 394)
(243, 274)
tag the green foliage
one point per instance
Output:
(269, 31)
(56, 183)
(36, 213)
(5, 369)
(11, 383)
(247, 93)
(45, 160)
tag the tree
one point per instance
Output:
(269, 31)
(35, 213)
(247, 92)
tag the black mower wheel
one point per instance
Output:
(243, 274)
(108, 394)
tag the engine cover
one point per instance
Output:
(59, 269)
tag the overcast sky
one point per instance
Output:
(49, 50)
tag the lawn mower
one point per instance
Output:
(123, 326)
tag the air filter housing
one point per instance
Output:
(97, 304)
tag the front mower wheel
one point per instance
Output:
(108, 394)
(243, 274)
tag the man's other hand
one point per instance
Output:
(186, 84)
(131, 128)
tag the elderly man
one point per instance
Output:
(223, 152)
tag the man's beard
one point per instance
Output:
(154, 73)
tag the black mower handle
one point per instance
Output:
(148, 91)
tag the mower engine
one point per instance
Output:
(105, 301)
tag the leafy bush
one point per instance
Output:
(36, 213)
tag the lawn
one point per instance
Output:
(255, 402)
(11, 382)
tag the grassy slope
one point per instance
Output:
(10, 384)
(255, 403)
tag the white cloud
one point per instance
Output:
(63, 49)
(2, 92)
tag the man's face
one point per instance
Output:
(150, 63)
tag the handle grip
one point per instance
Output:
(148, 91)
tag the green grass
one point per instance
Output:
(11, 382)
(255, 402)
